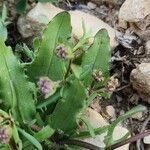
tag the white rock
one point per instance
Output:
(92, 23)
(146, 140)
(134, 10)
(118, 133)
(32, 23)
(138, 116)
(111, 111)
(36, 20)
(96, 121)
(95, 118)
(91, 5)
(147, 47)
(140, 79)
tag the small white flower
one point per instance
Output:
(98, 75)
(112, 84)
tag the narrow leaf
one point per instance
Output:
(31, 139)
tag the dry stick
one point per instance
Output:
(129, 140)
(80, 143)
(142, 130)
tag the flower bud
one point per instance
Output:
(61, 51)
(97, 75)
(5, 134)
(112, 84)
(46, 86)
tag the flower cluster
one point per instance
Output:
(5, 134)
(112, 84)
(62, 51)
(46, 86)
(98, 76)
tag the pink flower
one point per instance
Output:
(46, 86)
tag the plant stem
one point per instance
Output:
(68, 70)
(80, 143)
(129, 140)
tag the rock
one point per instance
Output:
(111, 111)
(96, 121)
(147, 47)
(146, 140)
(137, 13)
(138, 116)
(134, 10)
(140, 79)
(119, 132)
(95, 118)
(92, 23)
(35, 22)
(91, 5)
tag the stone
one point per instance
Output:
(35, 22)
(96, 121)
(147, 47)
(134, 10)
(32, 23)
(146, 140)
(140, 79)
(111, 111)
(118, 133)
(91, 5)
(138, 116)
(136, 15)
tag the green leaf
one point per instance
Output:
(76, 70)
(70, 107)
(17, 93)
(31, 139)
(89, 126)
(87, 134)
(16, 138)
(21, 6)
(46, 63)
(48, 101)
(97, 56)
(4, 14)
(4, 148)
(3, 29)
(109, 138)
(44, 133)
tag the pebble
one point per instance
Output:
(147, 47)
(111, 111)
(91, 5)
(140, 79)
(146, 140)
